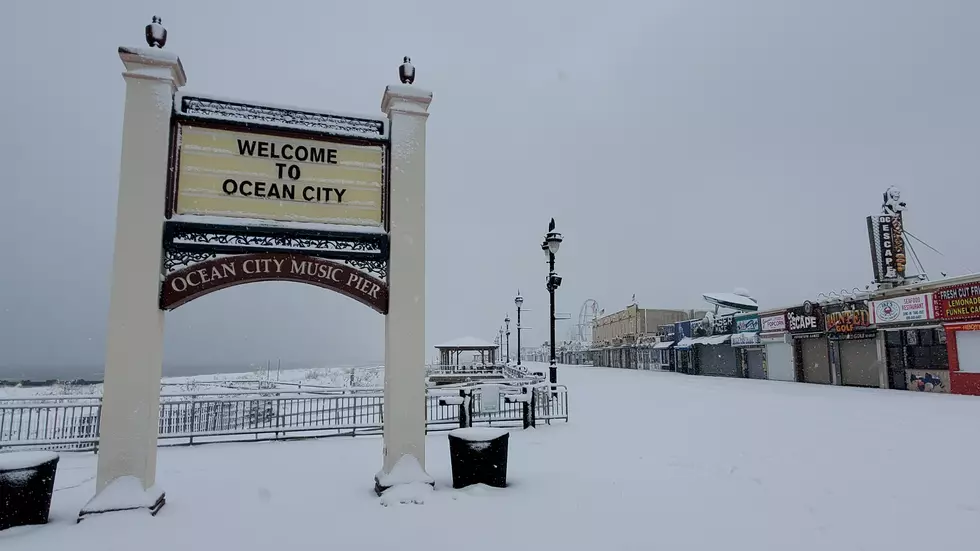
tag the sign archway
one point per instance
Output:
(215, 193)
(186, 284)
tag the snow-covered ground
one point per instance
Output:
(648, 461)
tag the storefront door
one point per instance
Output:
(754, 363)
(719, 360)
(684, 361)
(779, 362)
(859, 362)
(814, 360)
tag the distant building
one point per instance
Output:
(634, 323)
(615, 337)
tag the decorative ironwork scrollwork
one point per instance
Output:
(187, 243)
(277, 241)
(374, 267)
(176, 260)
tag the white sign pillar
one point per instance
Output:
(404, 395)
(134, 340)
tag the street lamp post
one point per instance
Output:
(552, 241)
(507, 324)
(500, 343)
(518, 301)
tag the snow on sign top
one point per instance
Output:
(151, 55)
(467, 342)
(221, 109)
(733, 301)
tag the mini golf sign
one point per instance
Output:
(242, 174)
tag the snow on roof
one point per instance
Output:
(731, 300)
(467, 342)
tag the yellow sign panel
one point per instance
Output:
(248, 175)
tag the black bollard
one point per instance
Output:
(478, 455)
(26, 487)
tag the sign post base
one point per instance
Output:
(407, 481)
(125, 493)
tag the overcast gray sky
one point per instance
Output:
(683, 147)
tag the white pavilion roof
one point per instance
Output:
(472, 343)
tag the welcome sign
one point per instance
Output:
(271, 177)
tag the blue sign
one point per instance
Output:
(682, 329)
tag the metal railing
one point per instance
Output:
(73, 422)
(514, 371)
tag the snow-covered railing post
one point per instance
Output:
(529, 405)
(98, 424)
(466, 409)
(278, 414)
(524, 398)
(193, 406)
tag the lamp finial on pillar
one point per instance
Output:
(156, 34)
(406, 72)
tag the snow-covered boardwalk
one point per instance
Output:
(647, 461)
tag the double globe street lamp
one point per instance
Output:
(552, 241)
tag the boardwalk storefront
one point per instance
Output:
(664, 348)
(647, 357)
(958, 306)
(683, 349)
(618, 355)
(915, 343)
(853, 343)
(811, 351)
(713, 353)
(749, 348)
(780, 363)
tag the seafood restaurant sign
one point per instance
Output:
(902, 309)
(202, 278)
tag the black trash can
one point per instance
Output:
(26, 486)
(479, 456)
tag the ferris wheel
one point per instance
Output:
(586, 317)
